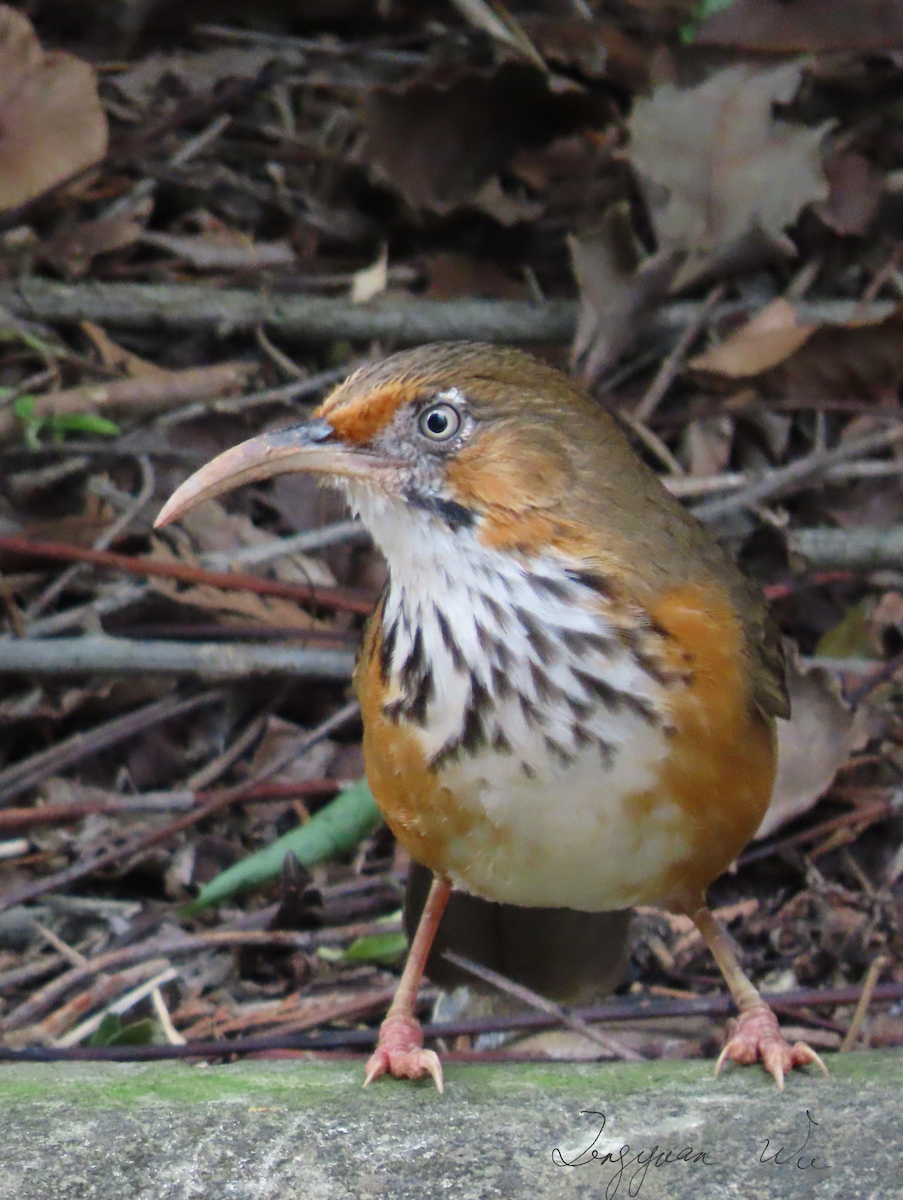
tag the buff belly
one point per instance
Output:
(524, 745)
(664, 823)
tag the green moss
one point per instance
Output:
(298, 1084)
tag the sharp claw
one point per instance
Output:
(721, 1057)
(816, 1058)
(804, 1056)
(374, 1070)
(430, 1062)
(756, 1035)
(400, 1053)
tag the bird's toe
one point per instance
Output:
(757, 1038)
(400, 1053)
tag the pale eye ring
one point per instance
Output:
(440, 422)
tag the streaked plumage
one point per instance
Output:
(568, 688)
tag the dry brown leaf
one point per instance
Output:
(813, 745)
(371, 281)
(268, 610)
(857, 188)
(596, 49)
(707, 445)
(271, 611)
(197, 74)
(770, 337)
(788, 359)
(508, 208)
(214, 529)
(617, 292)
(575, 177)
(74, 250)
(807, 26)
(441, 138)
(723, 177)
(278, 738)
(453, 275)
(51, 121)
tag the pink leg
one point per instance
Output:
(400, 1047)
(756, 1034)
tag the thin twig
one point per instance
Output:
(773, 483)
(528, 996)
(104, 655)
(116, 1007)
(874, 973)
(141, 394)
(653, 443)
(173, 946)
(103, 989)
(363, 1039)
(170, 1032)
(860, 549)
(106, 539)
(224, 311)
(18, 977)
(16, 820)
(349, 599)
(667, 372)
(288, 393)
(80, 870)
(109, 601)
(74, 957)
(866, 815)
(685, 487)
(299, 543)
(28, 773)
(884, 674)
(205, 775)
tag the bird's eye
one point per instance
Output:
(440, 422)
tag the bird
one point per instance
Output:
(569, 691)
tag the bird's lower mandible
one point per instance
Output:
(569, 691)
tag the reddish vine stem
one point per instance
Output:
(349, 599)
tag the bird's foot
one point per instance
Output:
(757, 1036)
(400, 1052)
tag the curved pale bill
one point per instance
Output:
(299, 449)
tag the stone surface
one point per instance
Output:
(307, 1131)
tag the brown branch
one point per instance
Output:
(867, 815)
(169, 947)
(535, 1000)
(222, 311)
(349, 599)
(143, 394)
(100, 654)
(868, 990)
(359, 1039)
(225, 311)
(18, 820)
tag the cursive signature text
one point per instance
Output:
(622, 1161)
(794, 1156)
